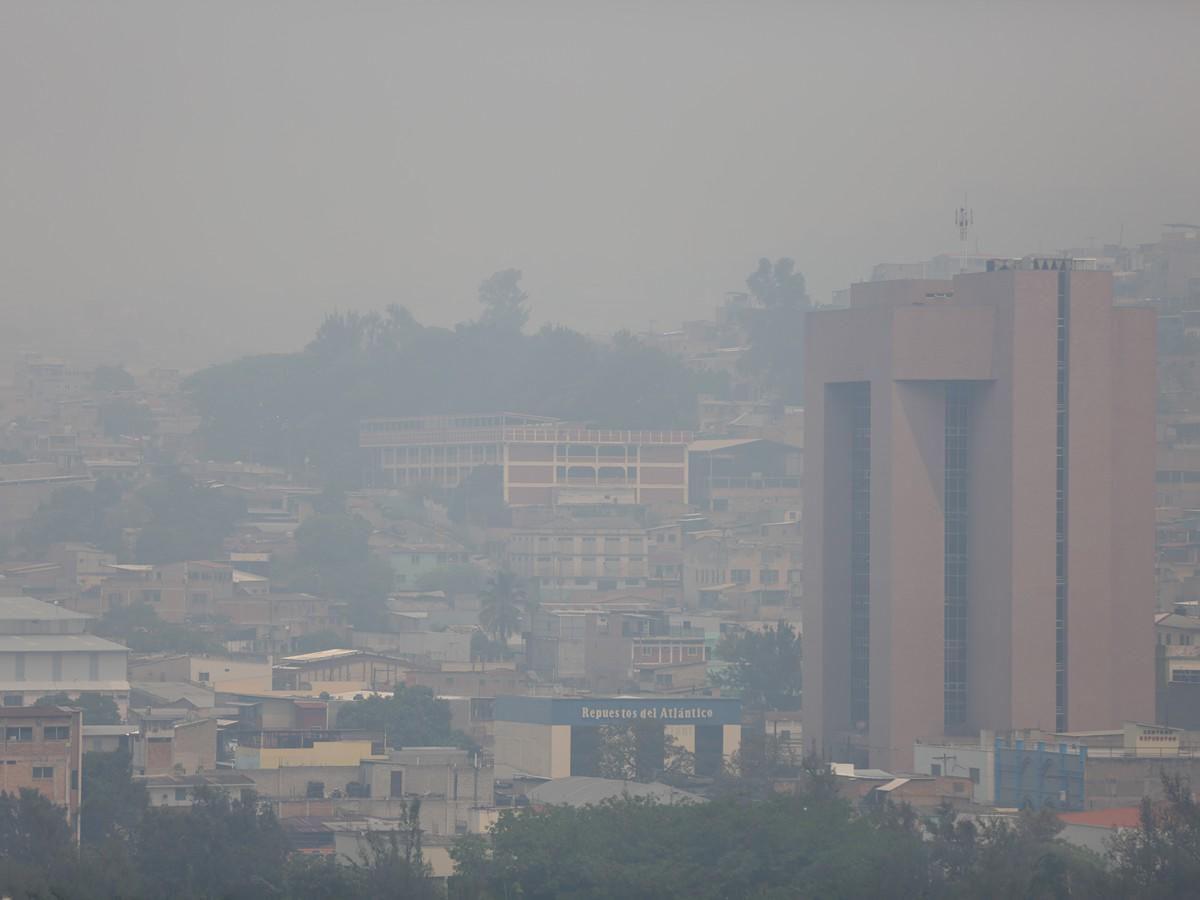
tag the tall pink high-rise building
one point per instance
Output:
(980, 552)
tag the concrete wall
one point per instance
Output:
(292, 782)
(322, 753)
(525, 748)
(958, 761)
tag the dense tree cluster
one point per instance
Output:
(176, 518)
(126, 418)
(774, 328)
(334, 559)
(411, 717)
(289, 409)
(810, 843)
(806, 845)
(764, 666)
(219, 847)
(139, 627)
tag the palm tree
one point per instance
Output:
(500, 615)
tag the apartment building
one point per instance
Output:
(179, 592)
(543, 462)
(605, 649)
(43, 751)
(567, 553)
(984, 505)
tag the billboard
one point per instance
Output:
(596, 712)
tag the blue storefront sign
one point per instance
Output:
(600, 711)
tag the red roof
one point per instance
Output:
(1117, 817)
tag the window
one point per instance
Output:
(180, 793)
(13, 700)
(397, 784)
(43, 771)
(935, 769)
(204, 676)
(21, 734)
(974, 775)
(739, 576)
(768, 576)
(57, 732)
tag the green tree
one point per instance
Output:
(775, 327)
(503, 301)
(97, 709)
(1161, 858)
(321, 878)
(38, 857)
(765, 666)
(140, 628)
(77, 514)
(34, 832)
(472, 864)
(411, 717)
(393, 863)
(334, 541)
(217, 848)
(186, 520)
(110, 379)
(126, 418)
(334, 559)
(797, 846)
(479, 498)
(113, 803)
(500, 613)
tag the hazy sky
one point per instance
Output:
(185, 181)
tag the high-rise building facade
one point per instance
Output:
(981, 503)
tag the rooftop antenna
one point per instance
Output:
(964, 218)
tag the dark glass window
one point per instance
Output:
(860, 554)
(958, 407)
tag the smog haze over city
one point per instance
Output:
(210, 179)
(478, 450)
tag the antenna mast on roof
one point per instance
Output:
(964, 218)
